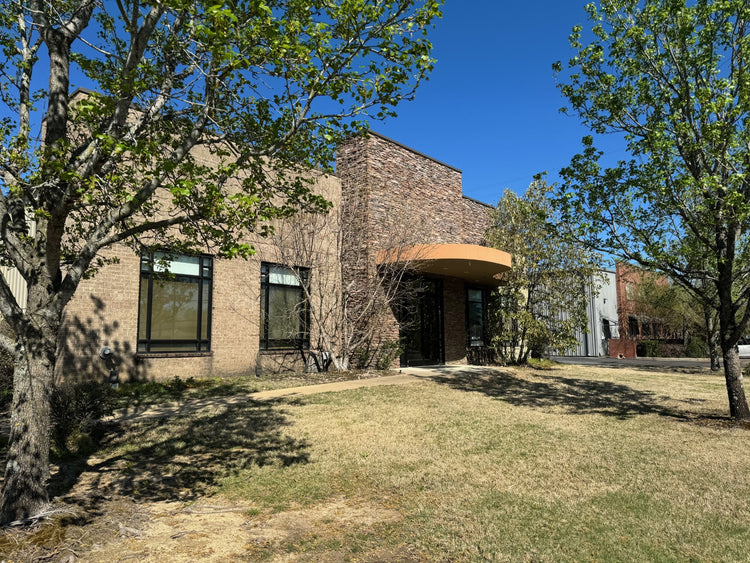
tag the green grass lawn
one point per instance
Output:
(566, 464)
(571, 464)
(143, 393)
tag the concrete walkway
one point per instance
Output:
(404, 376)
(190, 406)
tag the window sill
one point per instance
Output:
(140, 355)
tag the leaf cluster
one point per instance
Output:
(671, 78)
(206, 120)
(542, 302)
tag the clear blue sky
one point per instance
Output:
(491, 105)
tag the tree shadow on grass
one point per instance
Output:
(573, 395)
(652, 365)
(180, 458)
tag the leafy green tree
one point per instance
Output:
(542, 302)
(205, 119)
(680, 312)
(672, 78)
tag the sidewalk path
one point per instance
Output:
(405, 375)
(408, 375)
(217, 404)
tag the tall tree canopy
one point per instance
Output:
(679, 312)
(202, 120)
(542, 303)
(672, 78)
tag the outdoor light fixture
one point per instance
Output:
(110, 360)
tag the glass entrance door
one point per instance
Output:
(421, 323)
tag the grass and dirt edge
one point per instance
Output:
(485, 443)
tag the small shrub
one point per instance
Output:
(361, 358)
(83, 443)
(387, 353)
(381, 357)
(481, 355)
(151, 391)
(696, 348)
(647, 348)
(75, 410)
(177, 386)
(670, 350)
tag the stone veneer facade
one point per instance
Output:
(396, 194)
(407, 198)
(405, 186)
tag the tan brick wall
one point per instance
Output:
(104, 312)
(399, 195)
(414, 199)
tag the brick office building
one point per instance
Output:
(416, 202)
(218, 317)
(635, 326)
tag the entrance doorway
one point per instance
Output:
(421, 322)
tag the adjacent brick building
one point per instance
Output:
(218, 317)
(635, 326)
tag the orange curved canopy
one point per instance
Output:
(470, 262)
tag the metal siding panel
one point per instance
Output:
(17, 285)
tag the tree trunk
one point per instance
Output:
(24, 491)
(738, 408)
(729, 334)
(712, 338)
(713, 350)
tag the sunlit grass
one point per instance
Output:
(140, 393)
(589, 465)
(557, 464)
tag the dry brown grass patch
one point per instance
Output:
(513, 464)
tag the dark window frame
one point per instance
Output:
(201, 344)
(271, 344)
(634, 328)
(484, 293)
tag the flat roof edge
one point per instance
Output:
(408, 148)
(488, 205)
